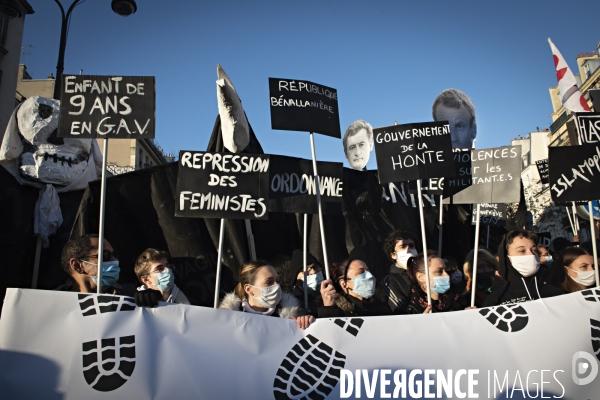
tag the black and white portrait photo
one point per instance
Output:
(458, 109)
(358, 143)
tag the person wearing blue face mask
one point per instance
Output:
(79, 260)
(156, 275)
(358, 294)
(312, 283)
(443, 296)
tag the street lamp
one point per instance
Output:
(120, 7)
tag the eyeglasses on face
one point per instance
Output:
(106, 256)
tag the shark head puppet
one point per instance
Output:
(30, 141)
(234, 124)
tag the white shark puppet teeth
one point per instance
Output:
(234, 124)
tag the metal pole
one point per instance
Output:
(575, 219)
(441, 223)
(318, 191)
(219, 258)
(570, 220)
(423, 239)
(60, 63)
(250, 237)
(475, 254)
(305, 258)
(102, 216)
(36, 262)
(595, 251)
(487, 241)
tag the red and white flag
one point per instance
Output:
(570, 96)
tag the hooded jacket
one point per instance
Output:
(398, 284)
(517, 288)
(314, 297)
(288, 306)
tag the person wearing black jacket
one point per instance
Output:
(314, 278)
(444, 296)
(519, 265)
(357, 294)
(399, 246)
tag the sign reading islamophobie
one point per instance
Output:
(116, 107)
(304, 106)
(490, 214)
(293, 189)
(222, 185)
(486, 176)
(413, 151)
(588, 126)
(574, 172)
(542, 166)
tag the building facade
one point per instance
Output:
(12, 22)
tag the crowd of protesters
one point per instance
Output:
(520, 271)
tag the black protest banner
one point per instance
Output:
(413, 151)
(486, 176)
(292, 185)
(574, 172)
(222, 185)
(119, 107)
(304, 106)
(588, 127)
(544, 239)
(490, 214)
(542, 166)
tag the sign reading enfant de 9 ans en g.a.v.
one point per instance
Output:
(115, 107)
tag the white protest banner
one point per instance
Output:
(86, 346)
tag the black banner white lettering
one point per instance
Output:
(588, 126)
(485, 176)
(413, 151)
(575, 172)
(304, 106)
(293, 189)
(222, 185)
(94, 106)
(490, 214)
(542, 166)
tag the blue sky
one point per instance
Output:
(387, 59)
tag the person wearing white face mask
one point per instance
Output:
(258, 292)
(519, 265)
(573, 270)
(312, 283)
(400, 247)
(156, 275)
(357, 291)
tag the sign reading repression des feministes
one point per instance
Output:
(490, 214)
(93, 106)
(304, 106)
(413, 151)
(485, 176)
(222, 185)
(574, 172)
(588, 126)
(292, 185)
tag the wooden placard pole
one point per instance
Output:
(318, 192)
(424, 240)
(219, 262)
(305, 258)
(475, 254)
(441, 222)
(102, 216)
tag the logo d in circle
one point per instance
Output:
(580, 368)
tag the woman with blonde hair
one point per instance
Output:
(259, 293)
(488, 278)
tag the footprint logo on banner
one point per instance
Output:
(596, 337)
(106, 366)
(351, 325)
(91, 304)
(310, 370)
(508, 318)
(591, 295)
